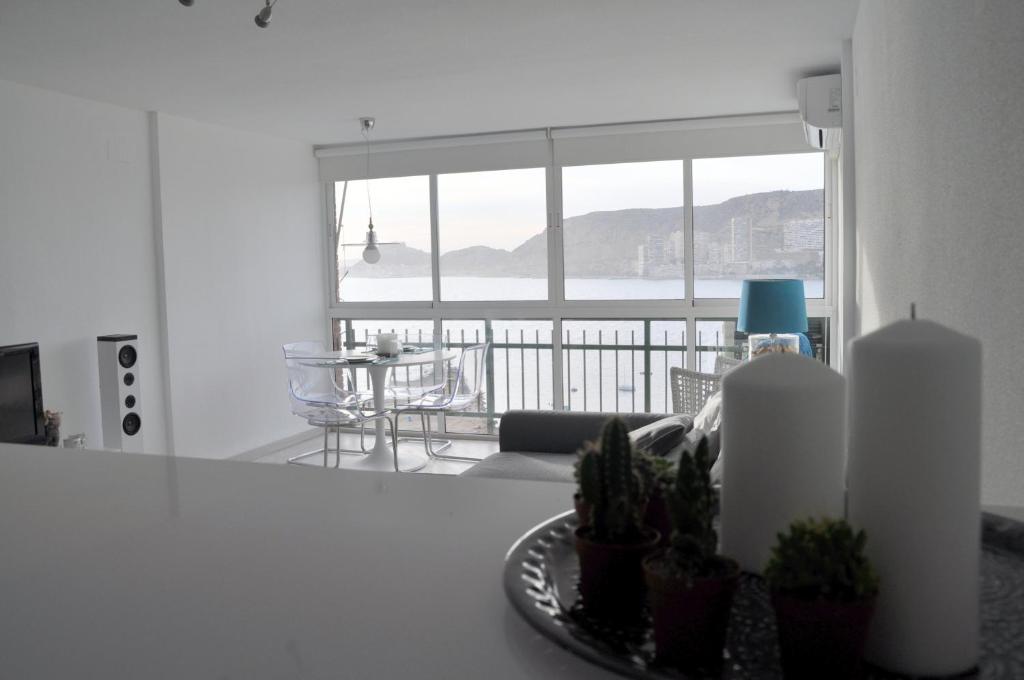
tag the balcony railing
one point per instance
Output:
(602, 369)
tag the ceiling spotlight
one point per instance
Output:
(263, 16)
(187, 3)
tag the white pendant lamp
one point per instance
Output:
(371, 253)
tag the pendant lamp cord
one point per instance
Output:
(369, 204)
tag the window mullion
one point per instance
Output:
(435, 243)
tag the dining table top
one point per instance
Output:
(357, 358)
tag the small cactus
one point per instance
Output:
(691, 511)
(608, 484)
(822, 560)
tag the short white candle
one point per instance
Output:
(914, 478)
(783, 449)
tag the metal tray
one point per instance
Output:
(540, 577)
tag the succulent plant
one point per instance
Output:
(822, 559)
(608, 483)
(691, 501)
(654, 474)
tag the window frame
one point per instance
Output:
(556, 307)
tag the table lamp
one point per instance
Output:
(773, 311)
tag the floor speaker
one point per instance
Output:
(120, 397)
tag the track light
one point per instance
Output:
(187, 3)
(263, 16)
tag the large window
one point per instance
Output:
(591, 279)
(492, 230)
(758, 217)
(623, 231)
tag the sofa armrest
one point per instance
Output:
(559, 431)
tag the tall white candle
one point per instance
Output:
(783, 451)
(914, 477)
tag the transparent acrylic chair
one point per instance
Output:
(321, 391)
(457, 394)
(409, 383)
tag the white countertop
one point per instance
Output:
(133, 566)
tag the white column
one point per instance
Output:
(914, 478)
(783, 450)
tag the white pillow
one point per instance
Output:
(710, 417)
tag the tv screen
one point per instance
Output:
(21, 400)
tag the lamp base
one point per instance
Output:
(773, 343)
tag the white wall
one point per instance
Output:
(76, 247)
(243, 262)
(940, 191)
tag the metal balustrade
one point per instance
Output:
(602, 370)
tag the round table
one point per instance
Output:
(382, 457)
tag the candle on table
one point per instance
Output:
(783, 449)
(914, 478)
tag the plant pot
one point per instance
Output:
(656, 517)
(612, 576)
(582, 510)
(690, 617)
(819, 639)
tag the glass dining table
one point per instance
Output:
(380, 457)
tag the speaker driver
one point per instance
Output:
(131, 424)
(127, 356)
(129, 379)
(129, 401)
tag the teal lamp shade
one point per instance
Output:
(772, 306)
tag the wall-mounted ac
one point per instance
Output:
(821, 110)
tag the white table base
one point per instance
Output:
(382, 457)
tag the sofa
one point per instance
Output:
(541, 445)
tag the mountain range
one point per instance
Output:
(776, 230)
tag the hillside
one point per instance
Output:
(757, 233)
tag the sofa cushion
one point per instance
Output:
(530, 465)
(558, 431)
(663, 437)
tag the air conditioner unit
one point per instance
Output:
(821, 110)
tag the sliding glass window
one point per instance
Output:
(401, 215)
(492, 234)
(758, 217)
(623, 231)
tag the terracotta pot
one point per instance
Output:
(690, 617)
(612, 576)
(582, 510)
(821, 639)
(656, 517)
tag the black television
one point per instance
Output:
(21, 395)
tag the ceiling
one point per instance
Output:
(425, 67)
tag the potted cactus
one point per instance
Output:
(655, 476)
(651, 476)
(691, 587)
(823, 591)
(613, 544)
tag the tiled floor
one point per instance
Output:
(460, 447)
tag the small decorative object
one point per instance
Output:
(823, 592)
(773, 311)
(389, 345)
(690, 587)
(75, 441)
(613, 546)
(51, 427)
(914, 486)
(784, 431)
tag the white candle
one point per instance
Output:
(914, 478)
(783, 451)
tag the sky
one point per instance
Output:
(503, 208)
